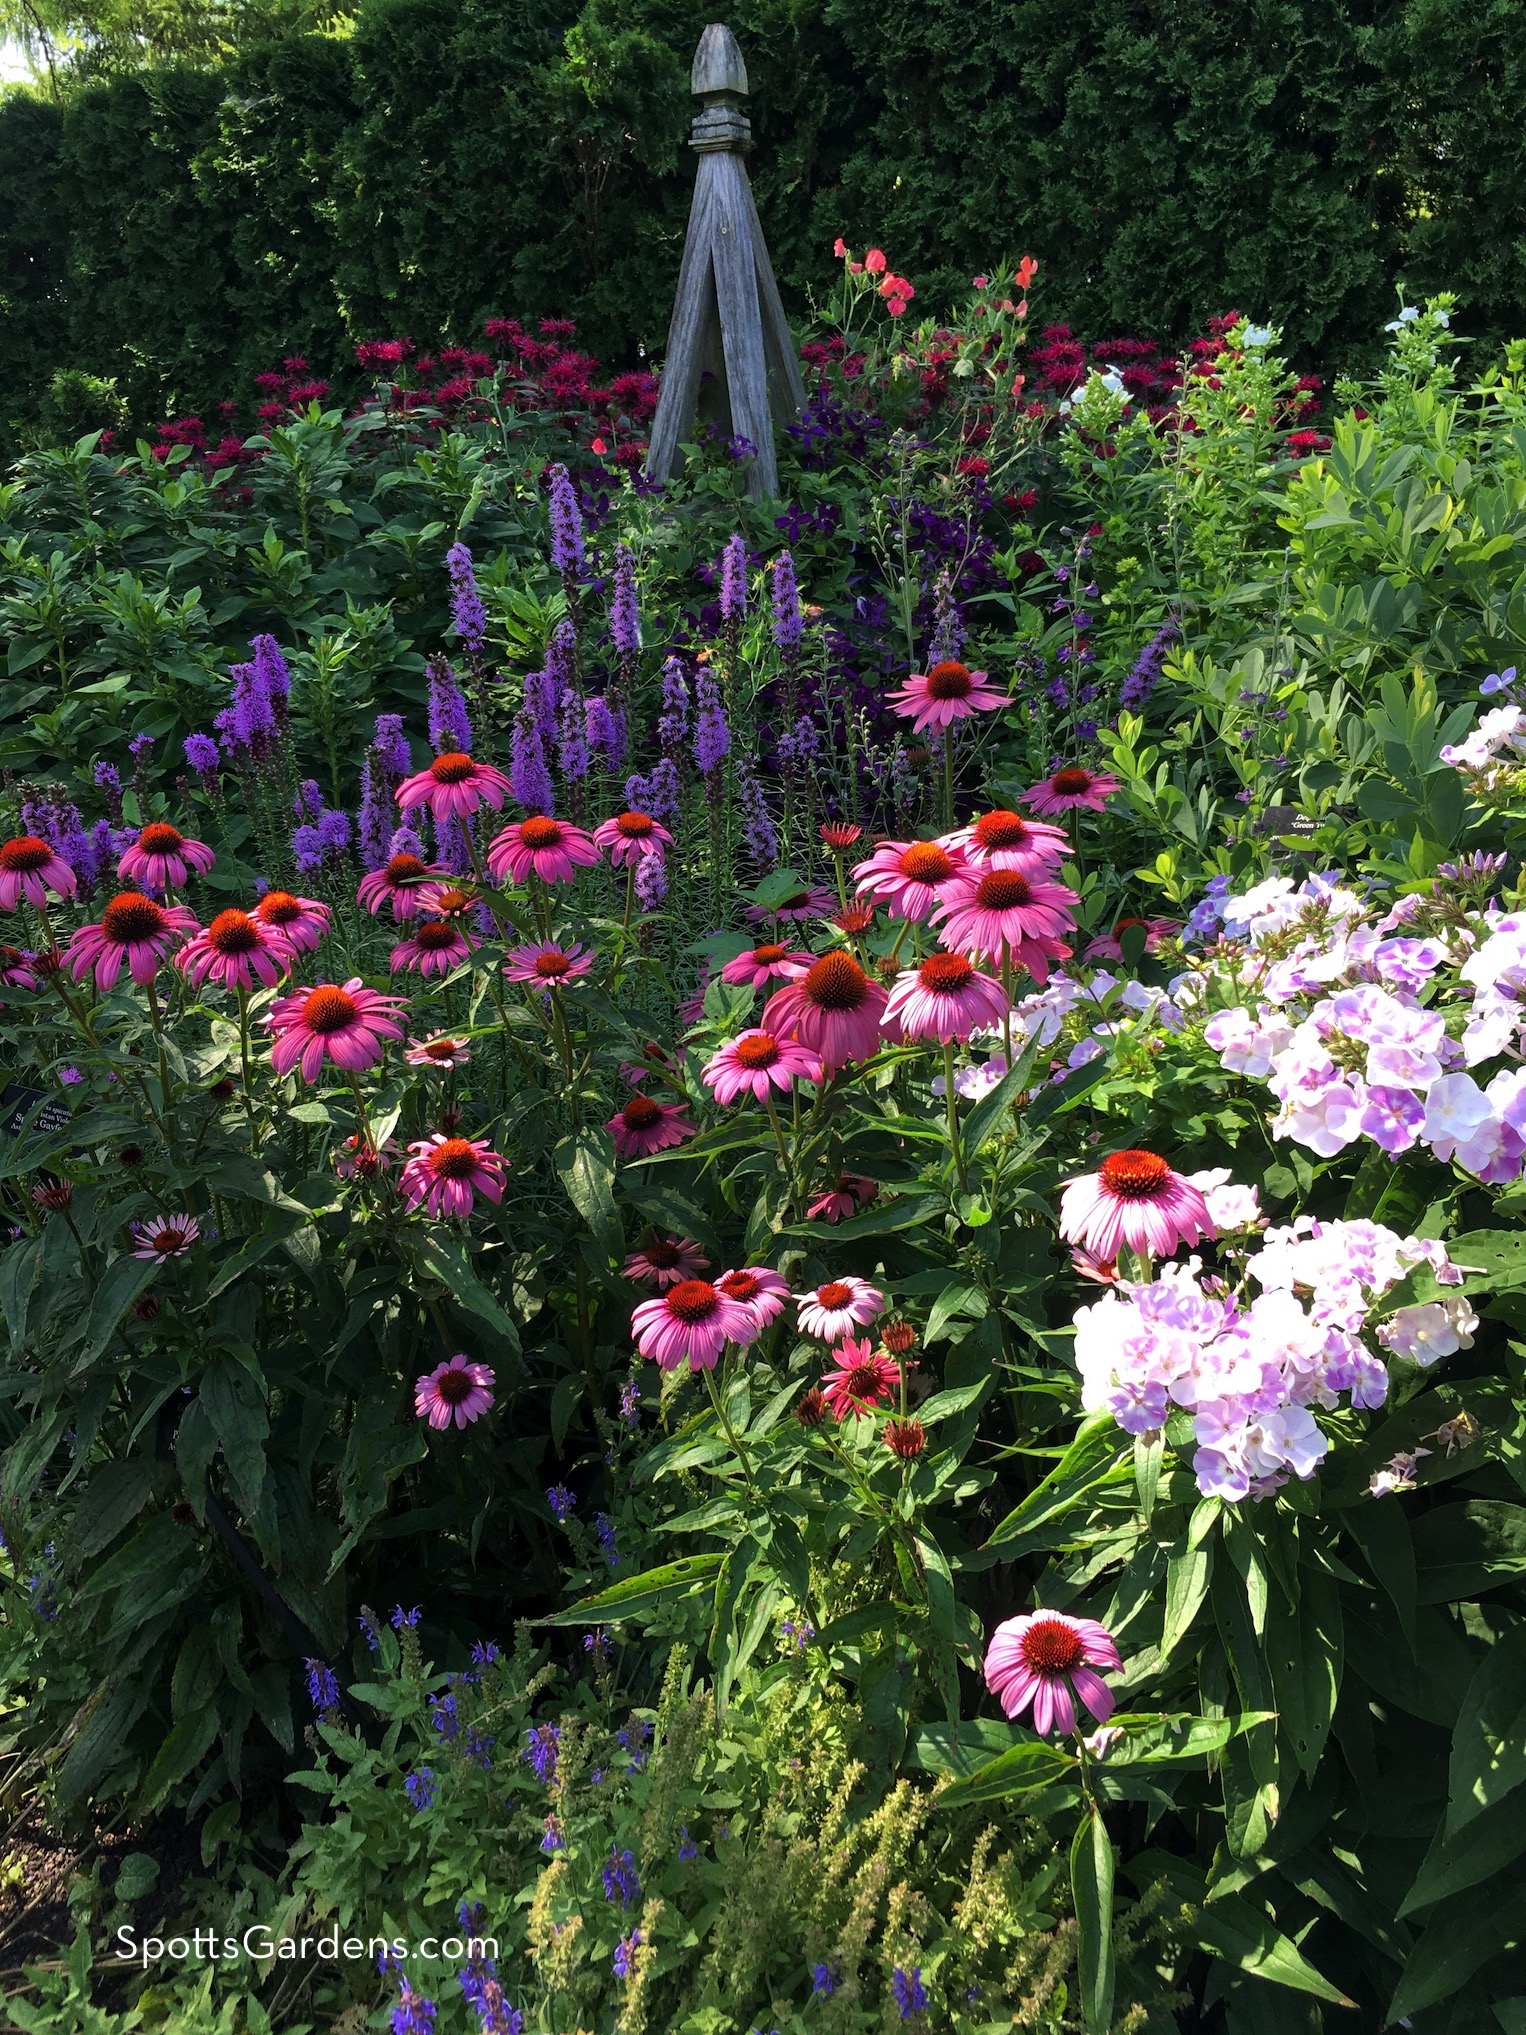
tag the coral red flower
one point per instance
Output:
(235, 952)
(540, 846)
(1070, 789)
(864, 1378)
(397, 883)
(644, 1127)
(1134, 1199)
(301, 921)
(29, 869)
(935, 700)
(631, 837)
(349, 1025)
(454, 786)
(455, 1390)
(909, 875)
(840, 834)
(834, 1010)
(691, 1323)
(134, 929)
(445, 1175)
(1048, 1658)
(161, 856)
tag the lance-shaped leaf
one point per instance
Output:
(1034, 1764)
(635, 1594)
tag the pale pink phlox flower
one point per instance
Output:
(645, 1126)
(908, 875)
(762, 964)
(1071, 790)
(665, 1262)
(133, 928)
(631, 837)
(453, 787)
(1135, 1199)
(456, 1390)
(162, 856)
(944, 999)
(839, 1307)
(834, 1009)
(691, 1323)
(552, 850)
(446, 1174)
(349, 1025)
(29, 869)
(862, 1380)
(1048, 1659)
(755, 1062)
(398, 883)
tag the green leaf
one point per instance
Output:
(447, 1261)
(1187, 1579)
(889, 1214)
(1462, 1934)
(1013, 1772)
(639, 1593)
(961, 1748)
(1305, 1648)
(106, 1722)
(958, 1399)
(674, 1212)
(1094, 1458)
(1091, 1885)
(958, 1298)
(1463, 1549)
(1234, 1929)
(20, 1264)
(116, 1494)
(1489, 1741)
(1491, 1842)
(585, 1164)
(988, 1115)
(184, 1748)
(121, 1284)
(231, 1401)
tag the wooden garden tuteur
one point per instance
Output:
(728, 323)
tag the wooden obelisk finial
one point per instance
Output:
(727, 317)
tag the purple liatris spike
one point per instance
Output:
(788, 623)
(376, 812)
(308, 803)
(108, 783)
(561, 661)
(624, 608)
(450, 730)
(467, 614)
(712, 737)
(202, 755)
(270, 673)
(757, 828)
(651, 881)
(734, 580)
(673, 722)
(307, 850)
(1145, 676)
(566, 523)
(392, 745)
(334, 832)
(948, 636)
(604, 732)
(529, 773)
(664, 793)
(571, 742)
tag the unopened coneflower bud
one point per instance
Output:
(811, 1409)
(450, 1121)
(131, 1155)
(222, 1089)
(146, 1306)
(183, 1514)
(905, 1438)
(54, 1195)
(898, 1337)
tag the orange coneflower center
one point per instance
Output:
(863, 1382)
(10, 957)
(553, 964)
(1050, 1647)
(435, 936)
(454, 1386)
(328, 1009)
(25, 854)
(232, 933)
(454, 1159)
(278, 908)
(761, 1050)
(693, 1300)
(660, 1254)
(1002, 830)
(1070, 783)
(131, 918)
(1003, 890)
(926, 862)
(539, 832)
(834, 1294)
(640, 1113)
(452, 768)
(948, 972)
(452, 901)
(635, 826)
(836, 982)
(741, 1286)
(1135, 1176)
(441, 1049)
(404, 869)
(767, 956)
(160, 838)
(949, 681)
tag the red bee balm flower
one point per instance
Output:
(1048, 1658)
(397, 883)
(445, 1175)
(349, 1026)
(691, 1323)
(1136, 1200)
(235, 952)
(935, 700)
(632, 837)
(29, 869)
(453, 787)
(543, 847)
(134, 929)
(909, 875)
(645, 1126)
(161, 856)
(834, 1010)
(456, 1391)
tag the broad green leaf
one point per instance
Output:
(114, 1497)
(958, 1298)
(888, 1215)
(639, 1593)
(673, 1212)
(1463, 1933)
(961, 1748)
(231, 1401)
(1013, 1772)
(585, 1164)
(1490, 1843)
(1187, 1578)
(1236, 1930)
(1463, 1549)
(187, 1743)
(1489, 1741)
(1305, 1648)
(958, 1399)
(447, 1260)
(995, 1109)
(121, 1283)
(1091, 1886)
(20, 1264)
(101, 1728)
(1094, 1458)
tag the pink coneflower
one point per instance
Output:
(764, 964)
(29, 869)
(854, 919)
(759, 1289)
(665, 1262)
(16, 969)
(935, 700)
(446, 1175)
(834, 1009)
(645, 1126)
(1087, 1265)
(443, 1053)
(864, 1378)
(910, 876)
(451, 901)
(301, 921)
(134, 929)
(1071, 789)
(756, 1062)
(349, 1025)
(1135, 1199)
(851, 1193)
(434, 948)
(164, 1236)
(454, 786)
(798, 906)
(1048, 1658)
(235, 952)
(839, 1307)
(397, 883)
(456, 1390)
(840, 835)
(1005, 840)
(943, 999)
(691, 1323)
(1108, 946)
(992, 911)
(358, 1158)
(547, 966)
(543, 847)
(162, 856)
(631, 837)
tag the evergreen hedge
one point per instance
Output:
(180, 229)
